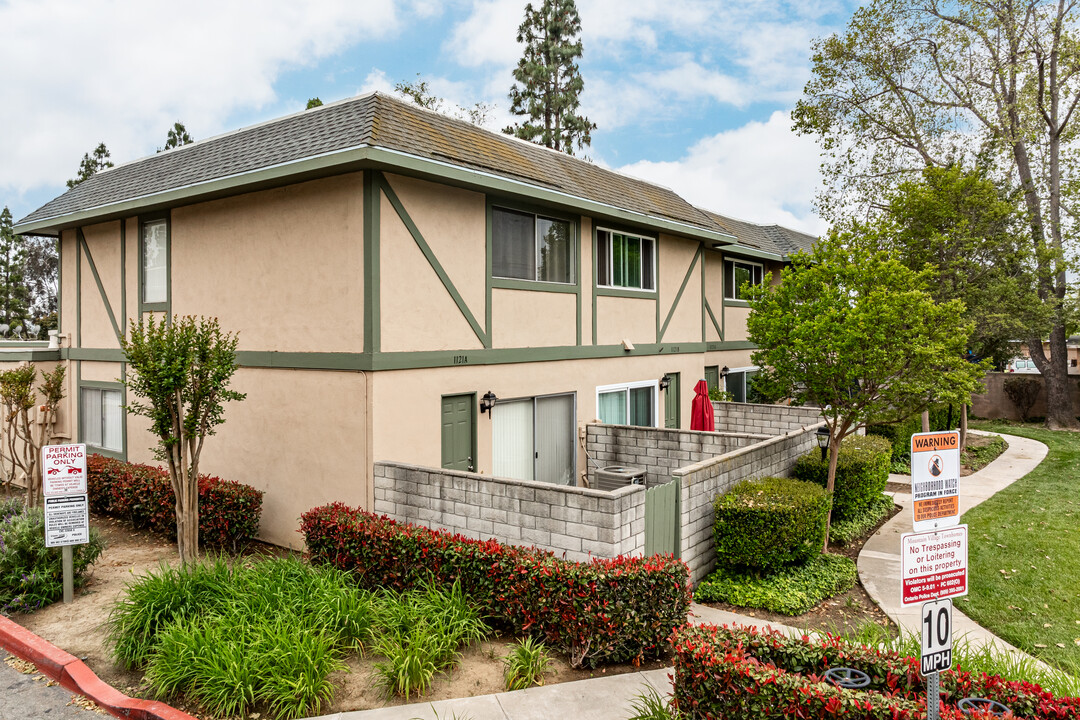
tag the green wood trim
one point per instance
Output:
(29, 355)
(729, 302)
(678, 296)
(78, 291)
(620, 292)
(533, 285)
(163, 307)
(372, 317)
(487, 269)
(719, 330)
(704, 328)
(593, 273)
(433, 261)
(474, 411)
(353, 362)
(749, 253)
(97, 279)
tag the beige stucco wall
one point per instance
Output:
(67, 300)
(131, 269)
(408, 402)
(730, 358)
(294, 254)
(300, 436)
(103, 245)
(714, 292)
(631, 318)
(735, 324)
(99, 371)
(418, 313)
(520, 318)
(676, 256)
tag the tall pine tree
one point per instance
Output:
(91, 164)
(14, 296)
(550, 83)
(177, 136)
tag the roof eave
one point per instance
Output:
(357, 158)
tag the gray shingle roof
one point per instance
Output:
(379, 121)
(773, 239)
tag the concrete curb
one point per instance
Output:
(73, 674)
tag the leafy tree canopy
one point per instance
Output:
(313, 103)
(419, 92)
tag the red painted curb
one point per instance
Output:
(73, 674)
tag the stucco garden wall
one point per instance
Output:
(994, 403)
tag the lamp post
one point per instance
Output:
(823, 440)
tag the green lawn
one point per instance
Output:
(1024, 574)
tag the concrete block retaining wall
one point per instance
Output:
(576, 521)
(659, 450)
(702, 482)
(767, 419)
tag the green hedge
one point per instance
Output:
(604, 611)
(769, 523)
(790, 591)
(850, 529)
(862, 469)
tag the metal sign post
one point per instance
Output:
(67, 516)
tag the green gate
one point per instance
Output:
(662, 519)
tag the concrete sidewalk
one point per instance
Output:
(879, 561)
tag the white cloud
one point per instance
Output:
(124, 72)
(761, 172)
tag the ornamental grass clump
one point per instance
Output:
(526, 664)
(233, 636)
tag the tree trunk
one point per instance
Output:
(926, 421)
(1060, 414)
(963, 427)
(830, 485)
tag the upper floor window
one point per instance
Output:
(737, 272)
(625, 261)
(154, 251)
(525, 246)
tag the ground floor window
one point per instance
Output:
(740, 384)
(101, 419)
(628, 403)
(533, 439)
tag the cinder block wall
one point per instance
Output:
(576, 521)
(659, 450)
(768, 419)
(702, 482)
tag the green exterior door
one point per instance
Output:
(459, 432)
(712, 377)
(671, 402)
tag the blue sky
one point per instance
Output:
(691, 94)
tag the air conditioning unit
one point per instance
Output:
(614, 477)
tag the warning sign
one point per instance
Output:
(63, 469)
(67, 520)
(933, 565)
(935, 479)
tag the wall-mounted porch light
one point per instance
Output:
(823, 440)
(665, 382)
(487, 402)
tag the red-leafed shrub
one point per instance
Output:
(229, 511)
(741, 672)
(603, 611)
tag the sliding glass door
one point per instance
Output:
(534, 439)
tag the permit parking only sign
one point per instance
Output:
(63, 469)
(935, 479)
(933, 565)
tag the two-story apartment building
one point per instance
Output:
(406, 287)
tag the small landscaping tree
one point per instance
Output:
(20, 441)
(1023, 391)
(181, 371)
(854, 331)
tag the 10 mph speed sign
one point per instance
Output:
(936, 624)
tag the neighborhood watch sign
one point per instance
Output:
(63, 469)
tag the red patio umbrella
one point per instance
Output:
(701, 412)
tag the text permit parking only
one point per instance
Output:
(933, 565)
(63, 469)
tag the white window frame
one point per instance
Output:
(84, 420)
(732, 371)
(608, 282)
(628, 386)
(144, 302)
(729, 278)
(536, 246)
